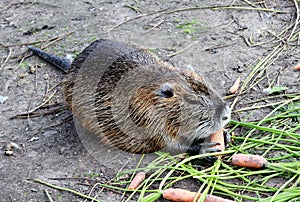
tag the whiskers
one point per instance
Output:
(203, 130)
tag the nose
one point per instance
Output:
(224, 118)
(226, 114)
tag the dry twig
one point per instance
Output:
(6, 59)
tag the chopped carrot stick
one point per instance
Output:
(218, 137)
(137, 180)
(182, 195)
(249, 160)
(235, 86)
(179, 195)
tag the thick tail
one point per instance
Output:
(61, 63)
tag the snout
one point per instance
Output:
(226, 115)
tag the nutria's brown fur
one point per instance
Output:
(129, 99)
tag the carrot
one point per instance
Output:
(249, 160)
(218, 137)
(137, 180)
(235, 86)
(182, 195)
(297, 67)
(179, 195)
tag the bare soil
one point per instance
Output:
(49, 146)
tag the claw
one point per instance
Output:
(210, 144)
(215, 143)
(210, 159)
(227, 138)
(203, 148)
(212, 150)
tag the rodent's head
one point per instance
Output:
(183, 105)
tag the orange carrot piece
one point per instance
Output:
(179, 195)
(212, 198)
(297, 67)
(249, 160)
(218, 137)
(235, 86)
(182, 195)
(137, 180)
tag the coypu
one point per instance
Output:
(133, 101)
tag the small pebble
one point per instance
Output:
(15, 145)
(33, 139)
(3, 99)
(240, 69)
(22, 76)
(34, 190)
(12, 146)
(62, 150)
(267, 91)
(32, 69)
(9, 153)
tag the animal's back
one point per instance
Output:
(91, 87)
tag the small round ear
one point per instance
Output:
(166, 90)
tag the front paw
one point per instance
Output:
(203, 148)
(210, 147)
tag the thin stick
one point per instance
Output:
(154, 26)
(21, 61)
(272, 97)
(182, 50)
(43, 103)
(34, 114)
(134, 18)
(57, 39)
(48, 196)
(266, 117)
(65, 189)
(250, 3)
(253, 74)
(219, 46)
(53, 87)
(40, 41)
(238, 7)
(110, 188)
(278, 107)
(276, 36)
(91, 191)
(36, 77)
(8, 6)
(296, 21)
(75, 178)
(259, 106)
(6, 59)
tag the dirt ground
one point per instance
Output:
(48, 143)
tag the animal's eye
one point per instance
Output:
(166, 91)
(224, 118)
